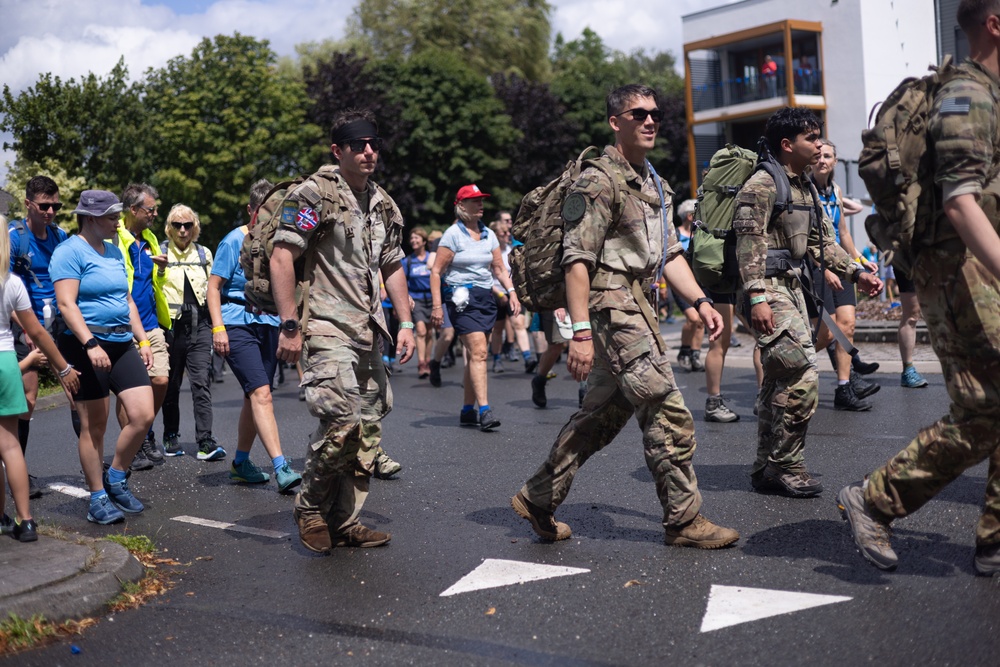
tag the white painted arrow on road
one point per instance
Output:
(494, 573)
(732, 605)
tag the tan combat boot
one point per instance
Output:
(543, 522)
(701, 533)
(362, 536)
(313, 531)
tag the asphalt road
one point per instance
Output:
(242, 598)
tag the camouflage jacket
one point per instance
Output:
(632, 245)
(352, 246)
(756, 232)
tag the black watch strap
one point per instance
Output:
(697, 302)
(91, 344)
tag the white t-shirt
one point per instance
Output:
(13, 297)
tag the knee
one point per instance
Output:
(261, 397)
(159, 382)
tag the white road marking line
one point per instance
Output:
(74, 491)
(494, 573)
(732, 605)
(222, 525)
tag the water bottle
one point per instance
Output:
(460, 297)
(48, 314)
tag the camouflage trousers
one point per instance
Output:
(790, 392)
(960, 300)
(630, 375)
(348, 391)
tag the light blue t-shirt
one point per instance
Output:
(103, 296)
(471, 265)
(227, 266)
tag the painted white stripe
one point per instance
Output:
(494, 573)
(222, 525)
(74, 491)
(732, 605)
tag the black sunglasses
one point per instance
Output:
(43, 206)
(639, 115)
(358, 145)
(182, 225)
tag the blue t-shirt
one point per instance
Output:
(471, 265)
(227, 266)
(40, 253)
(103, 296)
(418, 276)
(142, 283)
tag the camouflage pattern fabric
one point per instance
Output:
(960, 301)
(348, 391)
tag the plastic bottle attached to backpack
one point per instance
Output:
(48, 314)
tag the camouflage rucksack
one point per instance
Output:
(898, 169)
(536, 266)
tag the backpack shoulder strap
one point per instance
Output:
(782, 187)
(202, 258)
(23, 242)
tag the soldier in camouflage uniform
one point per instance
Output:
(956, 277)
(611, 263)
(354, 229)
(773, 300)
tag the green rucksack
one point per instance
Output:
(897, 168)
(712, 250)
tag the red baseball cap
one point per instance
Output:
(471, 191)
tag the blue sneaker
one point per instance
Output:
(286, 478)
(209, 450)
(104, 512)
(122, 497)
(248, 473)
(911, 379)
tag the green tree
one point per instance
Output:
(223, 118)
(95, 128)
(492, 36)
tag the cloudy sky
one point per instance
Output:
(73, 37)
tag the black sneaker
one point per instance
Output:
(140, 462)
(34, 490)
(488, 421)
(209, 450)
(538, 391)
(863, 367)
(25, 531)
(151, 449)
(530, 364)
(435, 373)
(172, 445)
(846, 399)
(469, 417)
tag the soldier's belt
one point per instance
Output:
(605, 281)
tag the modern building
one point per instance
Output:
(745, 60)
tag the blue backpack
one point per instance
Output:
(22, 256)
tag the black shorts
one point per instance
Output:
(127, 369)
(721, 297)
(903, 282)
(479, 315)
(832, 299)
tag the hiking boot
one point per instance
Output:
(790, 483)
(987, 559)
(104, 512)
(700, 533)
(871, 535)
(863, 367)
(172, 445)
(122, 497)
(911, 379)
(435, 373)
(716, 410)
(538, 391)
(487, 421)
(544, 523)
(314, 534)
(151, 449)
(209, 449)
(846, 399)
(385, 467)
(286, 478)
(6, 524)
(25, 531)
(684, 360)
(530, 364)
(34, 490)
(862, 387)
(361, 537)
(248, 473)
(498, 365)
(469, 417)
(140, 462)
(696, 365)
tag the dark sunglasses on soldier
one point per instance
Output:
(358, 145)
(639, 115)
(182, 225)
(43, 206)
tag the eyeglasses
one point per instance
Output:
(45, 206)
(358, 145)
(182, 225)
(150, 209)
(639, 115)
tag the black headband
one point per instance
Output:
(356, 129)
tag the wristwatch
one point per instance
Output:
(697, 302)
(91, 344)
(290, 325)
